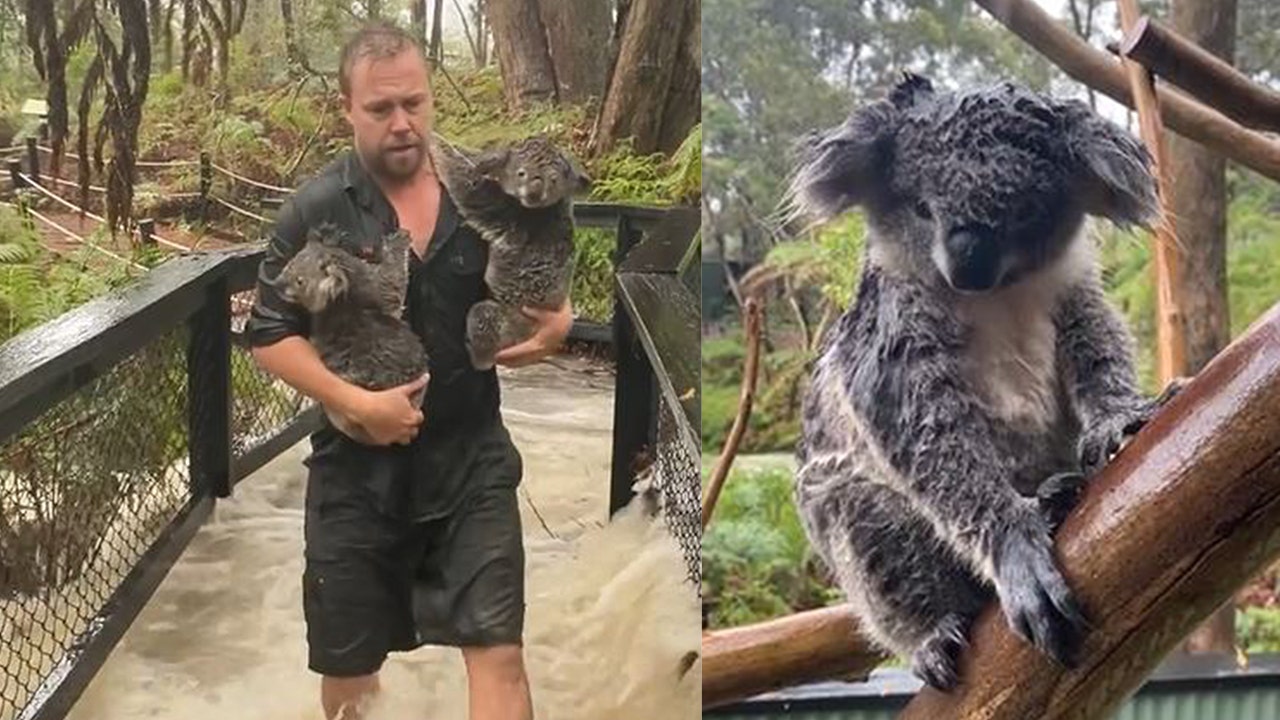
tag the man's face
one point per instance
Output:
(390, 110)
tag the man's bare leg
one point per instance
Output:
(496, 683)
(345, 698)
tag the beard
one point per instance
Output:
(395, 163)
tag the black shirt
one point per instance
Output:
(460, 401)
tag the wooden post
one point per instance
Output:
(15, 174)
(206, 183)
(147, 232)
(1171, 345)
(33, 160)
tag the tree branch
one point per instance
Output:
(808, 646)
(1097, 69)
(750, 371)
(1183, 517)
(1199, 72)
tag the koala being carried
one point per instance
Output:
(520, 199)
(356, 308)
(980, 375)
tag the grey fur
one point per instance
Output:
(978, 361)
(356, 309)
(520, 199)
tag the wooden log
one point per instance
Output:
(814, 645)
(1198, 71)
(1098, 70)
(1171, 343)
(1186, 514)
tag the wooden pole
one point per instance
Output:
(1185, 515)
(751, 316)
(1177, 60)
(1171, 344)
(33, 160)
(1100, 71)
(814, 645)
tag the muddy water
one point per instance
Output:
(610, 617)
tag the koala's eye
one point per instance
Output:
(921, 210)
(521, 173)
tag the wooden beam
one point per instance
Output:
(1202, 74)
(1171, 344)
(814, 645)
(1186, 514)
(1100, 71)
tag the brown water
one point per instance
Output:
(610, 616)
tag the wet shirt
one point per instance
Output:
(461, 403)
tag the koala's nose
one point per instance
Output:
(974, 260)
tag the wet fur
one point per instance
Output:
(935, 416)
(530, 234)
(356, 309)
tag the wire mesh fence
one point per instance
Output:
(680, 484)
(86, 489)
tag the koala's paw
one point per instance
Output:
(1101, 441)
(1037, 602)
(1058, 496)
(937, 660)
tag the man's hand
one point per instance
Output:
(552, 328)
(386, 416)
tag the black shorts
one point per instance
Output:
(377, 581)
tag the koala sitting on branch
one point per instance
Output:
(356, 309)
(980, 375)
(520, 199)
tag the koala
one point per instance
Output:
(520, 199)
(356, 309)
(980, 377)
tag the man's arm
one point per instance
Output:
(552, 328)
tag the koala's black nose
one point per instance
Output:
(974, 260)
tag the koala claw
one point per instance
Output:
(1037, 602)
(1058, 496)
(1104, 439)
(937, 660)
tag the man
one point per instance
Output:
(416, 540)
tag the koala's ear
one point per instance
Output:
(334, 282)
(581, 181)
(843, 166)
(490, 163)
(1114, 169)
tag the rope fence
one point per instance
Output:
(250, 181)
(239, 210)
(77, 209)
(76, 236)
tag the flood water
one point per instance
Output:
(610, 615)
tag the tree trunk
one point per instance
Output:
(293, 51)
(189, 19)
(684, 100)
(437, 31)
(168, 35)
(1199, 200)
(528, 76)
(578, 38)
(636, 103)
(418, 20)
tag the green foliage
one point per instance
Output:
(1258, 629)
(592, 290)
(623, 176)
(756, 558)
